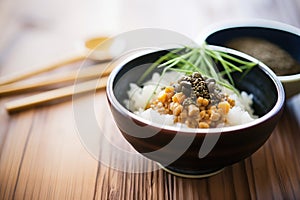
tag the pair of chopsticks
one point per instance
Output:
(91, 77)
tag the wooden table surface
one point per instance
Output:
(42, 153)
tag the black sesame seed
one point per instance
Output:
(194, 86)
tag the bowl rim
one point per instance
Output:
(178, 129)
(260, 23)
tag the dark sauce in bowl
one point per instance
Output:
(279, 60)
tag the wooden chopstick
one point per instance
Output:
(28, 73)
(55, 95)
(61, 93)
(90, 72)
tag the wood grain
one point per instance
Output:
(43, 156)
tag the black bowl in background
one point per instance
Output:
(285, 36)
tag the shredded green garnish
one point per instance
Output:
(203, 60)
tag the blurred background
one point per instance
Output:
(39, 31)
(41, 154)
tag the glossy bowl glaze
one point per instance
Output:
(178, 149)
(285, 36)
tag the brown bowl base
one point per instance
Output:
(190, 174)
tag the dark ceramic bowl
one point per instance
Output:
(285, 36)
(196, 152)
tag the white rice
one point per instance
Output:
(138, 97)
(241, 113)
